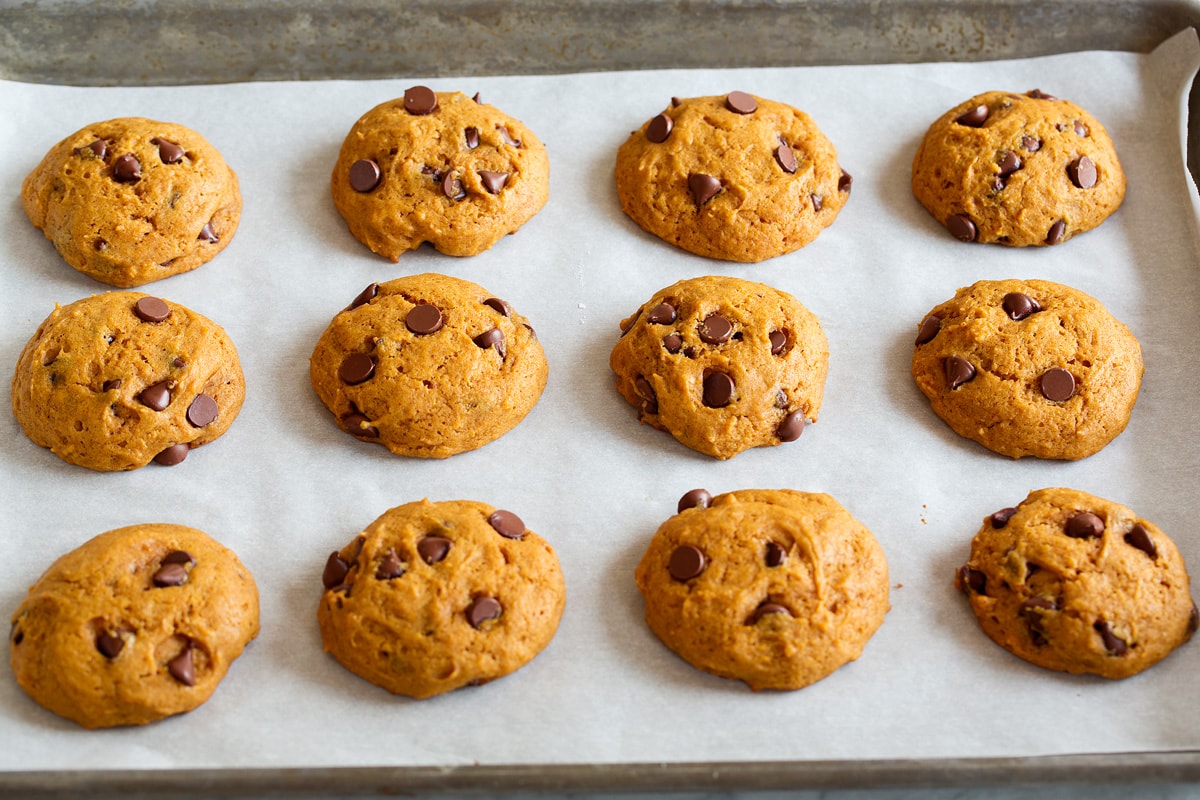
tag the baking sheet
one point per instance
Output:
(284, 487)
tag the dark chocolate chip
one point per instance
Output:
(507, 136)
(365, 296)
(493, 181)
(507, 524)
(817, 202)
(1038, 94)
(686, 562)
(1114, 644)
(778, 342)
(1018, 306)
(792, 426)
(127, 169)
(696, 498)
(178, 362)
(646, 392)
(1082, 172)
(182, 667)
(97, 149)
(365, 175)
(433, 549)
(659, 128)
(1000, 518)
(766, 608)
(1080, 128)
(452, 187)
(420, 100)
(390, 566)
(202, 411)
(1031, 144)
(972, 579)
(1139, 538)
(958, 371)
(358, 424)
(424, 319)
(491, 338)
(1057, 385)
(356, 368)
(661, 314)
(786, 160)
(168, 151)
(775, 554)
(178, 557)
(1010, 162)
(962, 228)
(845, 181)
(471, 137)
(173, 455)
(1193, 623)
(483, 609)
(1055, 234)
(974, 117)
(928, 329)
(673, 343)
(715, 329)
(207, 233)
(157, 396)
(151, 309)
(741, 103)
(1084, 525)
(109, 646)
(718, 389)
(498, 305)
(335, 571)
(112, 385)
(703, 187)
(172, 574)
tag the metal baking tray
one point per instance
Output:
(165, 42)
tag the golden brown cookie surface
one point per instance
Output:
(132, 200)
(734, 177)
(115, 380)
(1072, 582)
(438, 167)
(1018, 169)
(723, 364)
(776, 588)
(428, 366)
(137, 624)
(432, 597)
(1028, 368)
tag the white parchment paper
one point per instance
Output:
(284, 486)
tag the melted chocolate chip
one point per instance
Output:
(718, 389)
(778, 341)
(1031, 144)
(151, 309)
(483, 609)
(498, 305)
(696, 498)
(97, 149)
(1038, 94)
(703, 187)
(974, 117)
(202, 411)
(471, 138)
(715, 329)
(127, 169)
(365, 175)
(507, 136)
(962, 228)
(420, 100)
(168, 151)
(356, 368)
(1057, 385)
(971, 579)
(1138, 537)
(433, 549)
(786, 160)
(390, 566)
(741, 103)
(817, 202)
(659, 128)
(207, 234)
(1084, 525)
(1114, 644)
(424, 319)
(646, 392)
(792, 426)
(1082, 172)
(109, 386)
(958, 371)
(170, 574)
(1055, 234)
(182, 667)
(845, 181)
(686, 562)
(157, 396)
(1018, 306)
(493, 181)
(672, 343)
(335, 571)
(775, 554)
(507, 524)
(109, 646)
(661, 314)
(358, 424)
(365, 296)
(928, 329)
(1000, 518)
(766, 608)
(173, 455)
(1080, 128)
(1010, 162)
(493, 338)
(452, 187)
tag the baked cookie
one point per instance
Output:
(133, 200)
(1072, 582)
(1028, 368)
(1018, 169)
(776, 588)
(723, 364)
(734, 177)
(432, 597)
(438, 167)
(135, 625)
(117, 380)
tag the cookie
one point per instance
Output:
(438, 167)
(133, 200)
(137, 624)
(432, 597)
(428, 366)
(776, 588)
(1075, 583)
(117, 380)
(1018, 169)
(1028, 368)
(734, 177)
(723, 364)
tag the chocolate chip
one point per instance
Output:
(1055, 234)
(1193, 623)
(962, 228)
(365, 175)
(390, 566)
(157, 396)
(202, 411)
(715, 329)
(775, 555)
(778, 342)
(1057, 384)
(507, 524)
(1010, 162)
(424, 319)
(173, 455)
(1000, 518)
(207, 233)
(491, 338)
(686, 562)
(1114, 644)
(1031, 143)
(766, 608)
(97, 149)
(483, 609)
(928, 329)
(151, 309)
(646, 392)
(1038, 94)
(471, 137)
(507, 136)
(127, 169)
(1139, 538)
(433, 549)
(696, 498)
(1080, 128)
(358, 424)
(718, 389)
(172, 574)
(817, 202)
(1018, 306)
(493, 181)
(786, 160)
(672, 343)
(741, 103)
(958, 371)
(972, 579)
(168, 151)
(498, 305)
(178, 362)
(659, 128)
(476, 98)
(365, 296)
(792, 426)
(845, 181)
(109, 646)
(1084, 525)
(1082, 172)
(452, 187)
(420, 100)
(182, 667)
(356, 368)
(335, 571)
(974, 117)
(703, 187)
(661, 314)
(112, 385)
